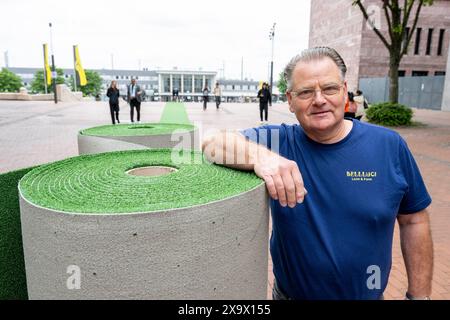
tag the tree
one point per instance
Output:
(282, 84)
(93, 86)
(38, 86)
(397, 18)
(9, 81)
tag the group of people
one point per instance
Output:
(355, 105)
(217, 92)
(264, 95)
(134, 99)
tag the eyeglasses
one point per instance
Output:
(328, 90)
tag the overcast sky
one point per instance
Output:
(162, 34)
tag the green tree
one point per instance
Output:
(282, 85)
(38, 86)
(93, 86)
(397, 39)
(9, 81)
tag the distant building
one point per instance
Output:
(340, 25)
(159, 84)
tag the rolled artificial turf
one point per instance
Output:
(129, 130)
(199, 231)
(100, 183)
(12, 266)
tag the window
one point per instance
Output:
(420, 73)
(198, 83)
(417, 44)
(405, 38)
(117, 77)
(441, 41)
(439, 73)
(401, 73)
(187, 84)
(429, 40)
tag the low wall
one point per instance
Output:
(63, 92)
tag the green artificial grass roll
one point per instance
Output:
(12, 266)
(100, 183)
(138, 136)
(142, 129)
(141, 224)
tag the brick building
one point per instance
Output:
(338, 24)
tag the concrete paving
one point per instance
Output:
(33, 133)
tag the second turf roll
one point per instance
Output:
(137, 136)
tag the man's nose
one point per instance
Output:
(318, 97)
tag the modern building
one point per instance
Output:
(338, 24)
(159, 84)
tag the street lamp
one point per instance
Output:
(272, 37)
(54, 73)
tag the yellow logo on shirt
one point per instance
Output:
(362, 175)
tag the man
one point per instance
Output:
(264, 98)
(335, 242)
(175, 92)
(218, 95)
(134, 98)
(205, 97)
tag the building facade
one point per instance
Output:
(338, 24)
(160, 84)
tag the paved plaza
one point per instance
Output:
(33, 133)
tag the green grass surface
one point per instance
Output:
(174, 112)
(143, 129)
(12, 265)
(99, 183)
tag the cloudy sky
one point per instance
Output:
(189, 34)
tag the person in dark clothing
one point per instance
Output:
(350, 106)
(205, 97)
(175, 93)
(265, 99)
(113, 94)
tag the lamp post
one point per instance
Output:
(54, 73)
(272, 38)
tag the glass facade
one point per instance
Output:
(198, 83)
(187, 82)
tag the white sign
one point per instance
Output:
(54, 74)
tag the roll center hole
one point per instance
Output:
(141, 127)
(151, 171)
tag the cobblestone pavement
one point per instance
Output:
(34, 133)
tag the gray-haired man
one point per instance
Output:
(336, 242)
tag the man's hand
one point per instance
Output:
(283, 179)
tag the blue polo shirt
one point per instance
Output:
(337, 244)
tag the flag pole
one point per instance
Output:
(75, 68)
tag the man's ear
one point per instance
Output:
(289, 98)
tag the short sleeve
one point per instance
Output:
(416, 197)
(267, 136)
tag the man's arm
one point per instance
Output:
(417, 249)
(282, 176)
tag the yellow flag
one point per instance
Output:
(48, 72)
(78, 67)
